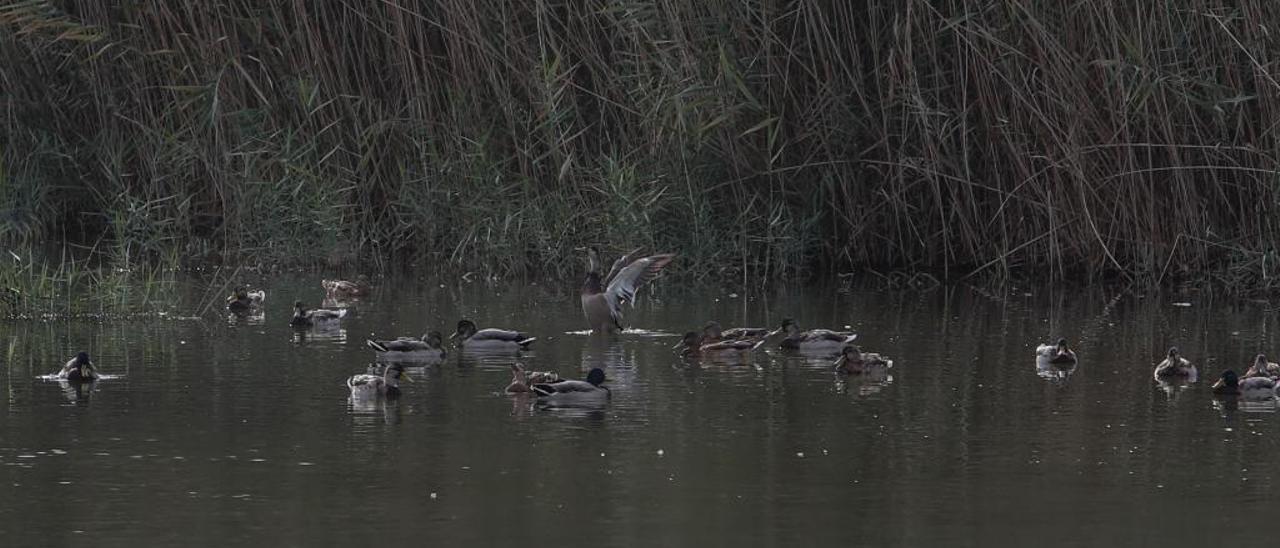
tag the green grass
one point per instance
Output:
(1062, 141)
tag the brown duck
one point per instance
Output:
(602, 297)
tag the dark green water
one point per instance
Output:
(219, 433)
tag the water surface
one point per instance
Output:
(219, 432)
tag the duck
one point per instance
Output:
(302, 317)
(603, 296)
(1058, 354)
(713, 332)
(368, 385)
(853, 361)
(813, 340)
(428, 347)
(243, 300)
(573, 393)
(79, 369)
(695, 344)
(489, 339)
(1174, 365)
(343, 289)
(1250, 388)
(522, 381)
(1262, 368)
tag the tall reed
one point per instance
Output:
(1059, 140)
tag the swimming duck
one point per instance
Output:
(1262, 368)
(713, 332)
(522, 381)
(243, 300)
(1174, 365)
(309, 318)
(489, 339)
(343, 289)
(429, 347)
(823, 341)
(1251, 388)
(1058, 354)
(370, 385)
(570, 393)
(853, 361)
(694, 344)
(603, 297)
(79, 369)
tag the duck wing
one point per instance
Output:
(397, 345)
(745, 332)
(620, 263)
(322, 314)
(492, 334)
(564, 387)
(829, 335)
(623, 286)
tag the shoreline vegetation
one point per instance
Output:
(1040, 140)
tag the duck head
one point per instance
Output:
(434, 339)
(1228, 380)
(240, 293)
(517, 374)
(1173, 354)
(850, 358)
(1063, 350)
(82, 359)
(464, 331)
(596, 376)
(712, 330)
(394, 373)
(689, 343)
(1260, 362)
(593, 260)
(789, 326)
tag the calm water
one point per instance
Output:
(217, 433)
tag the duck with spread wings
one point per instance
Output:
(603, 297)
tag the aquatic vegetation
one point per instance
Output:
(1032, 139)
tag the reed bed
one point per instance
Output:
(1078, 140)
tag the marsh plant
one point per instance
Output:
(1038, 138)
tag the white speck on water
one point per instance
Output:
(1182, 303)
(602, 453)
(305, 463)
(57, 451)
(26, 456)
(466, 467)
(257, 460)
(64, 483)
(433, 495)
(824, 452)
(661, 452)
(1227, 429)
(733, 295)
(800, 454)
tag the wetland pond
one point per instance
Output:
(213, 432)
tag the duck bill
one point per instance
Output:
(453, 336)
(1219, 384)
(406, 376)
(840, 362)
